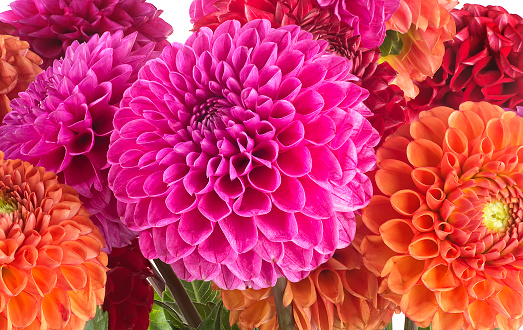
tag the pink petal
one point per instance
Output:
(290, 195)
(194, 227)
(241, 232)
(217, 249)
(277, 226)
(252, 202)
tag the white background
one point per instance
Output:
(176, 12)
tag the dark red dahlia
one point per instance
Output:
(484, 62)
(128, 294)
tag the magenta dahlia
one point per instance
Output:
(367, 17)
(63, 122)
(241, 155)
(50, 26)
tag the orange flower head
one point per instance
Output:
(446, 231)
(18, 68)
(52, 270)
(340, 294)
(424, 27)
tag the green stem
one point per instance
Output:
(409, 324)
(180, 295)
(389, 326)
(284, 313)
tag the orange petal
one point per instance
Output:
(329, 285)
(397, 234)
(301, 319)
(404, 272)
(375, 253)
(97, 274)
(21, 309)
(430, 128)
(485, 110)
(483, 288)
(361, 283)
(377, 212)
(451, 162)
(424, 178)
(232, 299)
(75, 276)
(516, 128)
(419, 304)
(424, 246)
(74, 253)
(424, 220)
(304, 292)
(453, 301)
(456, 142)
(354, 312)
(441, 112)
(12, 280)
(56, 308)
(449, 251)
(257, 314)
(393, 148)
(438, 276)
(393, 176)
(499, 132)
(481, 315)
(424, 153)
(447, 321)
(50, 256)
(467, 122)
(505, 323)
(83, 302)
(435, 197)
(44, 278)
(508, 302)
(323, 314)
(406, 202)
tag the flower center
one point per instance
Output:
(206, 114)
(6, 207)
(496, 216)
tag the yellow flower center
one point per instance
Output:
(496, 216)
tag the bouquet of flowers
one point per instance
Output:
(293, 164)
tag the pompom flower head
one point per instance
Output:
(52, 26)
(128, 294)
(367, 17)
(53, 272)
(447, 226)
(482, 63)
(63, 122)
(240, 155)
(18, 68)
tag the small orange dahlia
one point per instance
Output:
(52, 270)
(447, 229)
(18, 68)
(424, 26)
(340, 294)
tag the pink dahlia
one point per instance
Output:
(241, 155)
(367, 17)
(51, 26)
(63, 122)
(128, 294)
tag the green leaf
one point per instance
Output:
(201, 291)
(157, 319)
(392, 45)
(212, 322)
(99, 322)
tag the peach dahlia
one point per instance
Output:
(446, 229)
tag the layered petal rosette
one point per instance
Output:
(340, 294)
(128, 294)
(367, 17)
(18, 68)
(424, 26)
(482, 63)
(63, 122)
(240, 155)
(53, 272)
(52, 26)
(447, 227)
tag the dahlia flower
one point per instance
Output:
(18, 67)
(53, 271)
(424, 27)
(482, 63)
(240, 155)
(386, 101)
(52, 26)
(340, 294)
(446, 223)
(63, 122)
(128, 294)
(367, 17)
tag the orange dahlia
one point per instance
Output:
(424, 26)
(18, 68)
(52, 270)
(340, 294)
(447, 229)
